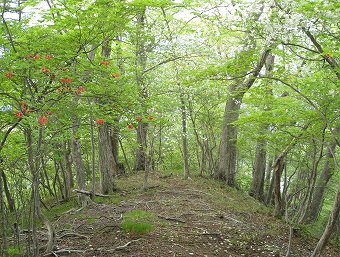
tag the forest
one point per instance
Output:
(99, 97)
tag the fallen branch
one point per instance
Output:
(73, 234)
(171, 219)
(55, 253)
(89, 193)
(126, 245)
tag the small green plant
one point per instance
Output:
(138, 221)
(14, 251)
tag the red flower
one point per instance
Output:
(62, 80)
(100, 121)
(139, 118)
(19, 114)
(150, 118)
(23, 104)
(9, 75)
(81, 89)
(102, 62)
(130, 126)
(43, 69)
(37, 56)
(48, 113)
(77, 92)
(42, 120)
(116, 75)
(68, 80)
(29, 110)
(48, 57)
(107, 63)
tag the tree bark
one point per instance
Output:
(69, 181)
(79, 165)
(184, 138)
(3, 247)
(228, 148)
(257, 185)
(320, 187)
(332, 220)
(10, 200)
(107, 164)
(141, 151)
(259, 170)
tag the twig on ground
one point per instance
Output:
(126, 245)
(55, 253)
(89, 193)
(73, 234)
(171, 219)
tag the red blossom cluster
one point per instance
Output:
(66, 80)
(42, 120)
(116, 75)
(100, 121)
(9, 75)
(44, 70)
(103, 62)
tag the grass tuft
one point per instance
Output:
(138, 221)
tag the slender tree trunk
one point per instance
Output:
(257, 186)
(3, 248)
(332, 220)
(140, 161)
(141, 58)
(69, 182)
(34, 158)
(228, 147)
(83, 200)
(326, 174)
(107, 165)
(10, 200)
(185, 138)
(35, 190)
(93, 155)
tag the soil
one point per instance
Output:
(194, 217)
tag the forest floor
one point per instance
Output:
(194, 217)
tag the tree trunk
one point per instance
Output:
(34, 158)
(79, 166)
(140, 161)
(277, 172)
(333, 217)
(257, 185)
(35, 190)
(141, 151)
(325, 176)
(10, 200)
(69, 182)
(184, 138)
(107, 165)
(228, 147)
(3, 247)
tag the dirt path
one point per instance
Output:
(194, 218)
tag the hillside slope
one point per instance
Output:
(197, 217)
